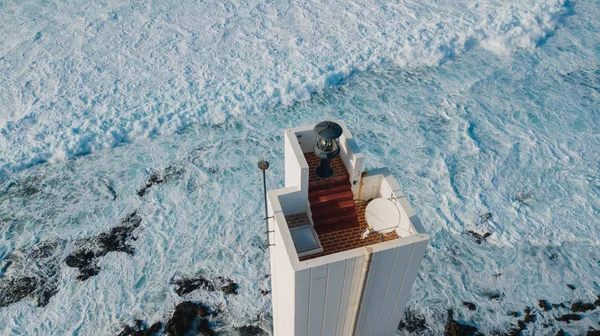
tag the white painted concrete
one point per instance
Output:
(317, 296)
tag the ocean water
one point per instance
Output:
(487, 113)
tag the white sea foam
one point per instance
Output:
(465, 138)
(80, 76)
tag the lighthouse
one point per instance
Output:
(345, 245)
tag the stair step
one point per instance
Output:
(325, 206)
(340, 196)
(321, 221)
(328, 183)
(327, 212)
(333, 190)
(337, 226)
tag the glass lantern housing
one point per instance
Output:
(327, 146)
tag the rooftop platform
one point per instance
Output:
(320, 220)
(341, 240)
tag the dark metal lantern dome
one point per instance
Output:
(327, 146)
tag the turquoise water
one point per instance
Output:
(491, 110)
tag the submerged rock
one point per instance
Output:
(141, 329)
(524, 198)
(250, 331)
(544, 305)
(227, 285)
(514, 332)
(580, 307)
(493, 295)
(454, 328)
(412, 322)
(469, 305)
(115, 240)
(188, 285)
(569, 317)
(185, 317)
(479, 238)
(31, 273)
(529, 318)
(169, 174)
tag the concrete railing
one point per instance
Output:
(352, 157)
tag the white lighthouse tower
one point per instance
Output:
(346, 245)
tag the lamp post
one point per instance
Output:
(264, 165)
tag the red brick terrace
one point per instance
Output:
(338, 220)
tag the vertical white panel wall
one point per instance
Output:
(326, 294)
(322, 295)
(352, 157)
(282, 272)
(389, 283)
(296, 167)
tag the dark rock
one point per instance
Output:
(188, 285)
(111, 190)
(183, 319)
(115, 240)
(250, 331)
(454, 328)
(265, 292)
(571, 287)
(597, 302)
(527, 310)
(580, 307)
(558, 305)
(494, 296)
(514, 332)
(513, 313)
(203, 310)
(479, 238)
(569, 317)
(593, 332)
(469, 305)
(141, 329)
(204, 328)
(154, 329)
(18, 289)
(231, 288)
(521, 325)
(529, 318)
(227, 285)
(560, 333)
(544, 305)
(413, 323)
(31, 273)
(546, 325)
(167, 175)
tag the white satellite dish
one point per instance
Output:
(383, 215)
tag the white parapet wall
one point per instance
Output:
(319, 296)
